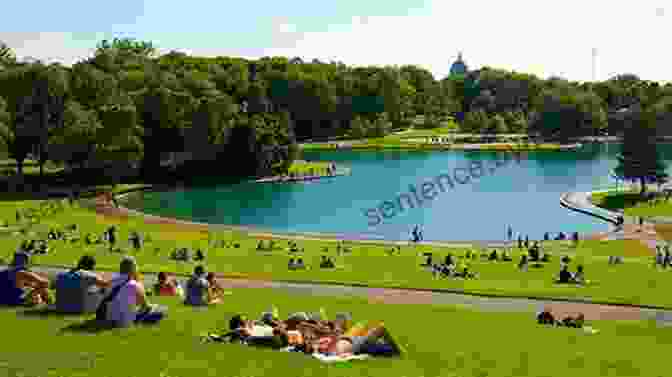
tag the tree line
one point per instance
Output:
(245, 117)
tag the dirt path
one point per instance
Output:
(425, 297)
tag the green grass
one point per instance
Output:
(633, 282)
(304, 168)
(632, 203)
(439, 340)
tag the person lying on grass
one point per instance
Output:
(19, 285)
(545, 317)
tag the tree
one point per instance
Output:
(76, 141)
(475, 122)
(639, 158)
(498, 125)
(359, 127)
(7, 57)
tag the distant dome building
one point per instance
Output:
(459, 67)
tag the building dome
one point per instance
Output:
(459, 67)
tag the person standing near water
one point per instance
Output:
(510, 233)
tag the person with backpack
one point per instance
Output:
(19, 285)
(126, 302)
(76, 289)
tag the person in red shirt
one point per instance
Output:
(165, 286)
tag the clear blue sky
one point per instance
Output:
(544, 37)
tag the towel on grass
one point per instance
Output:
(338, 359)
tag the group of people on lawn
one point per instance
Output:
(82, 290)
(297, 264)
(310, 333)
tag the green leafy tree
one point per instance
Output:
(639, 158)
(498, 125)
(7, 57)
(76, 141)
(359, 127)
(475, 122)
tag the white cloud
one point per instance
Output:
(286, 28)
(548, 38)
(541, 37)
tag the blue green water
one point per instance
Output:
(524, 195)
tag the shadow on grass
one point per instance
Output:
(90, 326)
(46, 312)
(622, 200)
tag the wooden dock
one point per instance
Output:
(303, 178)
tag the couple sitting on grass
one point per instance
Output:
(201, 289)
(566, 277)
(312, 334)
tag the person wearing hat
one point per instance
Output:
(18, 283)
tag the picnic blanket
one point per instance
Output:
(339, 359)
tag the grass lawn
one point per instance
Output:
(306, 167)
(439, 340)
(633, 203)
(633, 282)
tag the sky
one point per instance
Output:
(545, 38)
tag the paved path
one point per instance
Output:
(579, 201)
(425, 297)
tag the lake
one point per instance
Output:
(524, 195)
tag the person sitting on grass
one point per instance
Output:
(546, 258)
(299, 264)
(294, 248)
(493, 255)
(523, 264)
(326, 262)
(77, 290)
(292, 264)
(565, 276)
(215, 290)
(136, 240)
(200, 256)
(534, 253)
(126, 302)
(579, 277)
(19, 285)
(42, 248)
(260, 245)
(166, 286)
(197, 288)
(428, 260)
(447, 270)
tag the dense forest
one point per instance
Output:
(245, 117)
